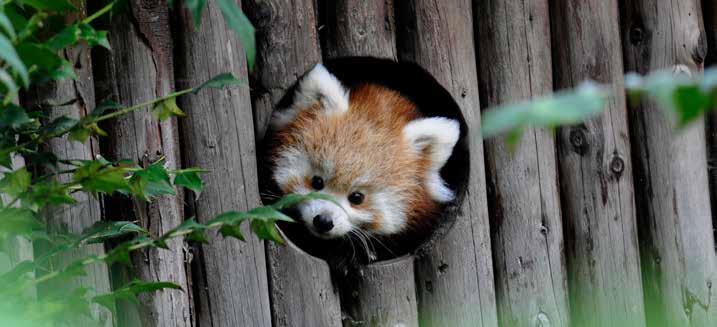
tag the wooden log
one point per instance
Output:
(79, 95)
(287, 47)
(359, 28)
(710, 15)
(672, 196)
(455, 276)
(514, 64)
(596, 171)
(349, 34)
(218, 135)
(139, 69)
(384, 294)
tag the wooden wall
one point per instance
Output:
(604, 223)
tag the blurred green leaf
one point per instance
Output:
(15, 182)
(65, 38)
(10, 56)
(234, 17)
(102, 231)
(8, 82)
(49, 5)
(196, 7)
(96, 177)
(94, 37)
(18, 221)
(218, 82)
(190, 179)
(6, 25)
(562, 108)
(192, 230)
(151, 182)
(13, 117)
(130, 291)
(167, 108)
(59, 125)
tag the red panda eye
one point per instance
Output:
(356, 198)
(317, 183)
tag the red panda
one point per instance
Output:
(370, 148)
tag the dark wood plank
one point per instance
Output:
(359, 28)
(672, 195)
(523, 197)
(139, 69)
(455, 276)
(596, 171)
(287, 46)
(230, 276)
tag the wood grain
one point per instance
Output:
(287, 47)
(596, 171)
(523, 197)
(672, 195)
(230, 276)
(139, 69)
(359, 28)
(454, 277)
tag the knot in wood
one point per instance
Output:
(637, 35)
(578, 140)
(617, 165)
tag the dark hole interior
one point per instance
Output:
(432, 99)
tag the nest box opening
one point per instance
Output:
(431, 100)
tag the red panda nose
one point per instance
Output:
(323, 223)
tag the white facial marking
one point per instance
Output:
(318, 85)
(440, 135)
(291, 165)
(393, 211)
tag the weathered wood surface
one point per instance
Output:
(230, 279)
(596, 171)
(672, 196)
(383, 295)
(354, 30)
(455, 277)
(79, 95)
(514, 64)
(359, 28)
(287, 47)
(710, 16)
(139, 69)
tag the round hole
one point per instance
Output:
(432, 100)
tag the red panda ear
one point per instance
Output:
(438, 136)
(318, 85)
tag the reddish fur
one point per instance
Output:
(367, 138)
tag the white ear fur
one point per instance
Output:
(318, 85)
(440, 135)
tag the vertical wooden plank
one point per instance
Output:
(384, 295)
(514, 64)
(672, 196)
(455, 277)
(710, 15)
(79, 96)
(287, 47)
(366, 28)
(139, 69)
(596, 171)
(360, 28)
(218, 135)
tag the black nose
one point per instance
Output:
(323, 223)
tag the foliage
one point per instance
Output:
(683, 100)
(33, 33)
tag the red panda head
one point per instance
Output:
(369, 148)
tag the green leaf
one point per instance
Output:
(94, 37)
(102, 231)
(15, 182)
(8, 82)
(230, 223)
(189, 179)
(218, 82)
(49, 5)
(130, 291)
(67, 37)
(18, 221)
(292, 199)
(266, 230)
(152, 182)
(6, 25)
(48, 193)
(167, 108)
(193, 230)
(13, 117)
(59, 125)
(563, 108)
(196, 7)
(96, 177)
(9, 55)
(236, 20)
